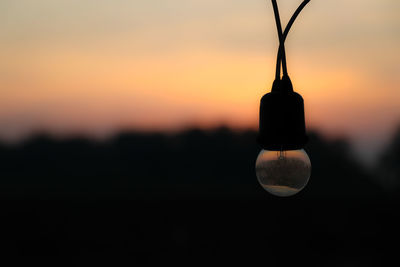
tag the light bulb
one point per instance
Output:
(283, 173)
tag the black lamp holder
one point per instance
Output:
(282, 123)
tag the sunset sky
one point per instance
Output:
(94, 67)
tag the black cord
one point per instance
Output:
(281, 57)
(281, 50)
(293, 18)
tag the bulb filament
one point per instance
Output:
(281, 155)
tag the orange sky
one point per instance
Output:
(93, 67)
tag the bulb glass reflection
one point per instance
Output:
(283, 173)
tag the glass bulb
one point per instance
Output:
(283, 173)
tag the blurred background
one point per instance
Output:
(127, 132)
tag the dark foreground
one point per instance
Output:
(191, 199)
(138, 232)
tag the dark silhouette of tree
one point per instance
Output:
(389, 164)
(218, 161)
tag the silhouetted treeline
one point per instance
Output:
(197, 162)
(389, 165)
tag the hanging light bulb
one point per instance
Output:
(283, 173)
(283, 168)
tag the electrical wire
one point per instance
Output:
(293, 18)
(281, 57)
(281, 50)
